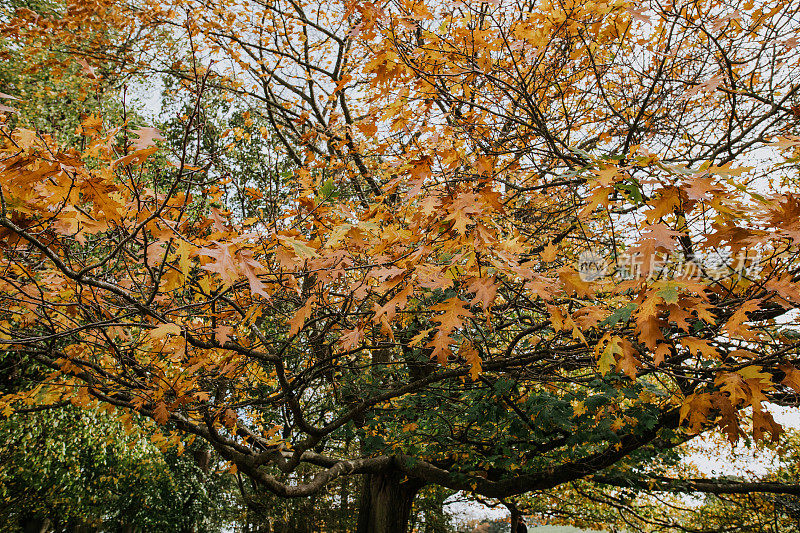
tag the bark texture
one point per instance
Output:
(386, 501)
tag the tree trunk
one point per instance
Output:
(35, 524)
(344, 501)
(515, 514)
(75, 525)
(386, 501)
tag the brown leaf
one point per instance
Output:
(161, 413)
(87, 69)
(792, 376)
(222, 334)
(350, 339)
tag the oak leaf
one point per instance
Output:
(165, 329)
(454, 311)
(473, 359)
(146, 138)
(300, 316)
(161, 413)
(485, 290)
(791, 376)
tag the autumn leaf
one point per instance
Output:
(387, 311)
(300, 316)
(251, 269)
(161, 413)
(222, 334)
(736, 323)
(485, 290)
(440, 345)
(695, 410)
(764, 425)
(662, 236)
(163, 330)
(223, 264)
(473, 359)
(465, 206)
(229, 418)
(786, 141)
(184, 252)
(454, 311)
(627, 360)
(607, 350)
(608, 175)
(728, 170)
(700, 347)
(146, 138)
(733, 384)
(791, 376)
(549, 253)
(702, 189)
(367, 128)
(87, 69)
(350, 339)
(302, 249)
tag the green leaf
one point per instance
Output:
(328, 190)
(632, 190)
(623, 314)
(669, 293)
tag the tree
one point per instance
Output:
(75, 470)
(614, 505)
(432, 290)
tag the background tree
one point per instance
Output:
(613, 504)
(76, 470)
(420, 293)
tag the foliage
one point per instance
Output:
(614, 506)
(450, 181)
(81, 467)
(485, 526)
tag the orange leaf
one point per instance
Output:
(441, 347)
(485, 290)
(454, 311)
(299, 319)
(473, 359)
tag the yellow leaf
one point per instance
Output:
(165, 329)
(606, 355)
(549, 253)
(184, 249)
(728, 171)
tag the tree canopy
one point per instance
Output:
(495, 247)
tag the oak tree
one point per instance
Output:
(519, 244)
